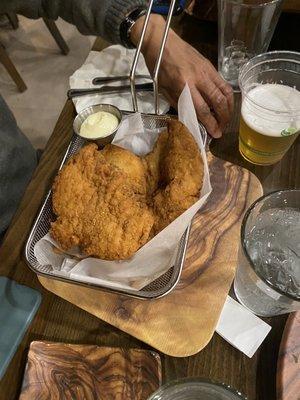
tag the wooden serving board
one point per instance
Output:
(288, 366)
(183, 322)
(59, 371)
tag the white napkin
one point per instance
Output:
(113, 61)
(242, 329)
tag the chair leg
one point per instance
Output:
(51, 25)
(11, 69)
(13, 19)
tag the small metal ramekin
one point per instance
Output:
(82, 116)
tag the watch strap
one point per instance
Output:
(127, 24)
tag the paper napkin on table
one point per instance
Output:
(113, 61)
(242, 329)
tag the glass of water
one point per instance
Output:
(245, 30)
(196, 388)
(267, 280)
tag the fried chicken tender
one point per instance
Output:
(100, 207)
(127, 162)
(153, 160)
(180, 174)
(111, 202)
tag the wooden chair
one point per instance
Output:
(53, 29)
(11, 69)
(13, 19)
(292, 6)
(7, 62)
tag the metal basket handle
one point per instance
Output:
(158, 61)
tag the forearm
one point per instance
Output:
(155, 28)
(91, 17)
(152, 39)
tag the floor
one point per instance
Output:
(45, 71)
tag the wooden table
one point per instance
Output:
(58, 320)
(291, 6)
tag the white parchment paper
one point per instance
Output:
(156, 256)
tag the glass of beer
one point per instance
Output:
(270, 114)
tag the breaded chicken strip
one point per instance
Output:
(153, 160)
(99, 208)
(181, 176)
(127, 162)
(111, 202)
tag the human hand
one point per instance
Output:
(181, 64)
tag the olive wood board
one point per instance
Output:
(288, 365)
(183, 322)
(60, 371)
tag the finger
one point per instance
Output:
(204, 114)
(226, 89)
(218, 102)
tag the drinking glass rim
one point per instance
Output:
(248, 212)
(199, 380)
(265, 3)
(257, 57)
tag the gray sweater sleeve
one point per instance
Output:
(91, 17)
(17, 163)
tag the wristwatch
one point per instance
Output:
(127, 25)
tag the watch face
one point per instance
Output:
(162, 7)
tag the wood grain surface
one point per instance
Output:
(60, 371)
(291, 6)
(182, 323)
(58, 320)
(288, 367)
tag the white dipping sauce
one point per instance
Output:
(97, 125)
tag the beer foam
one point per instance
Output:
(280, 98)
